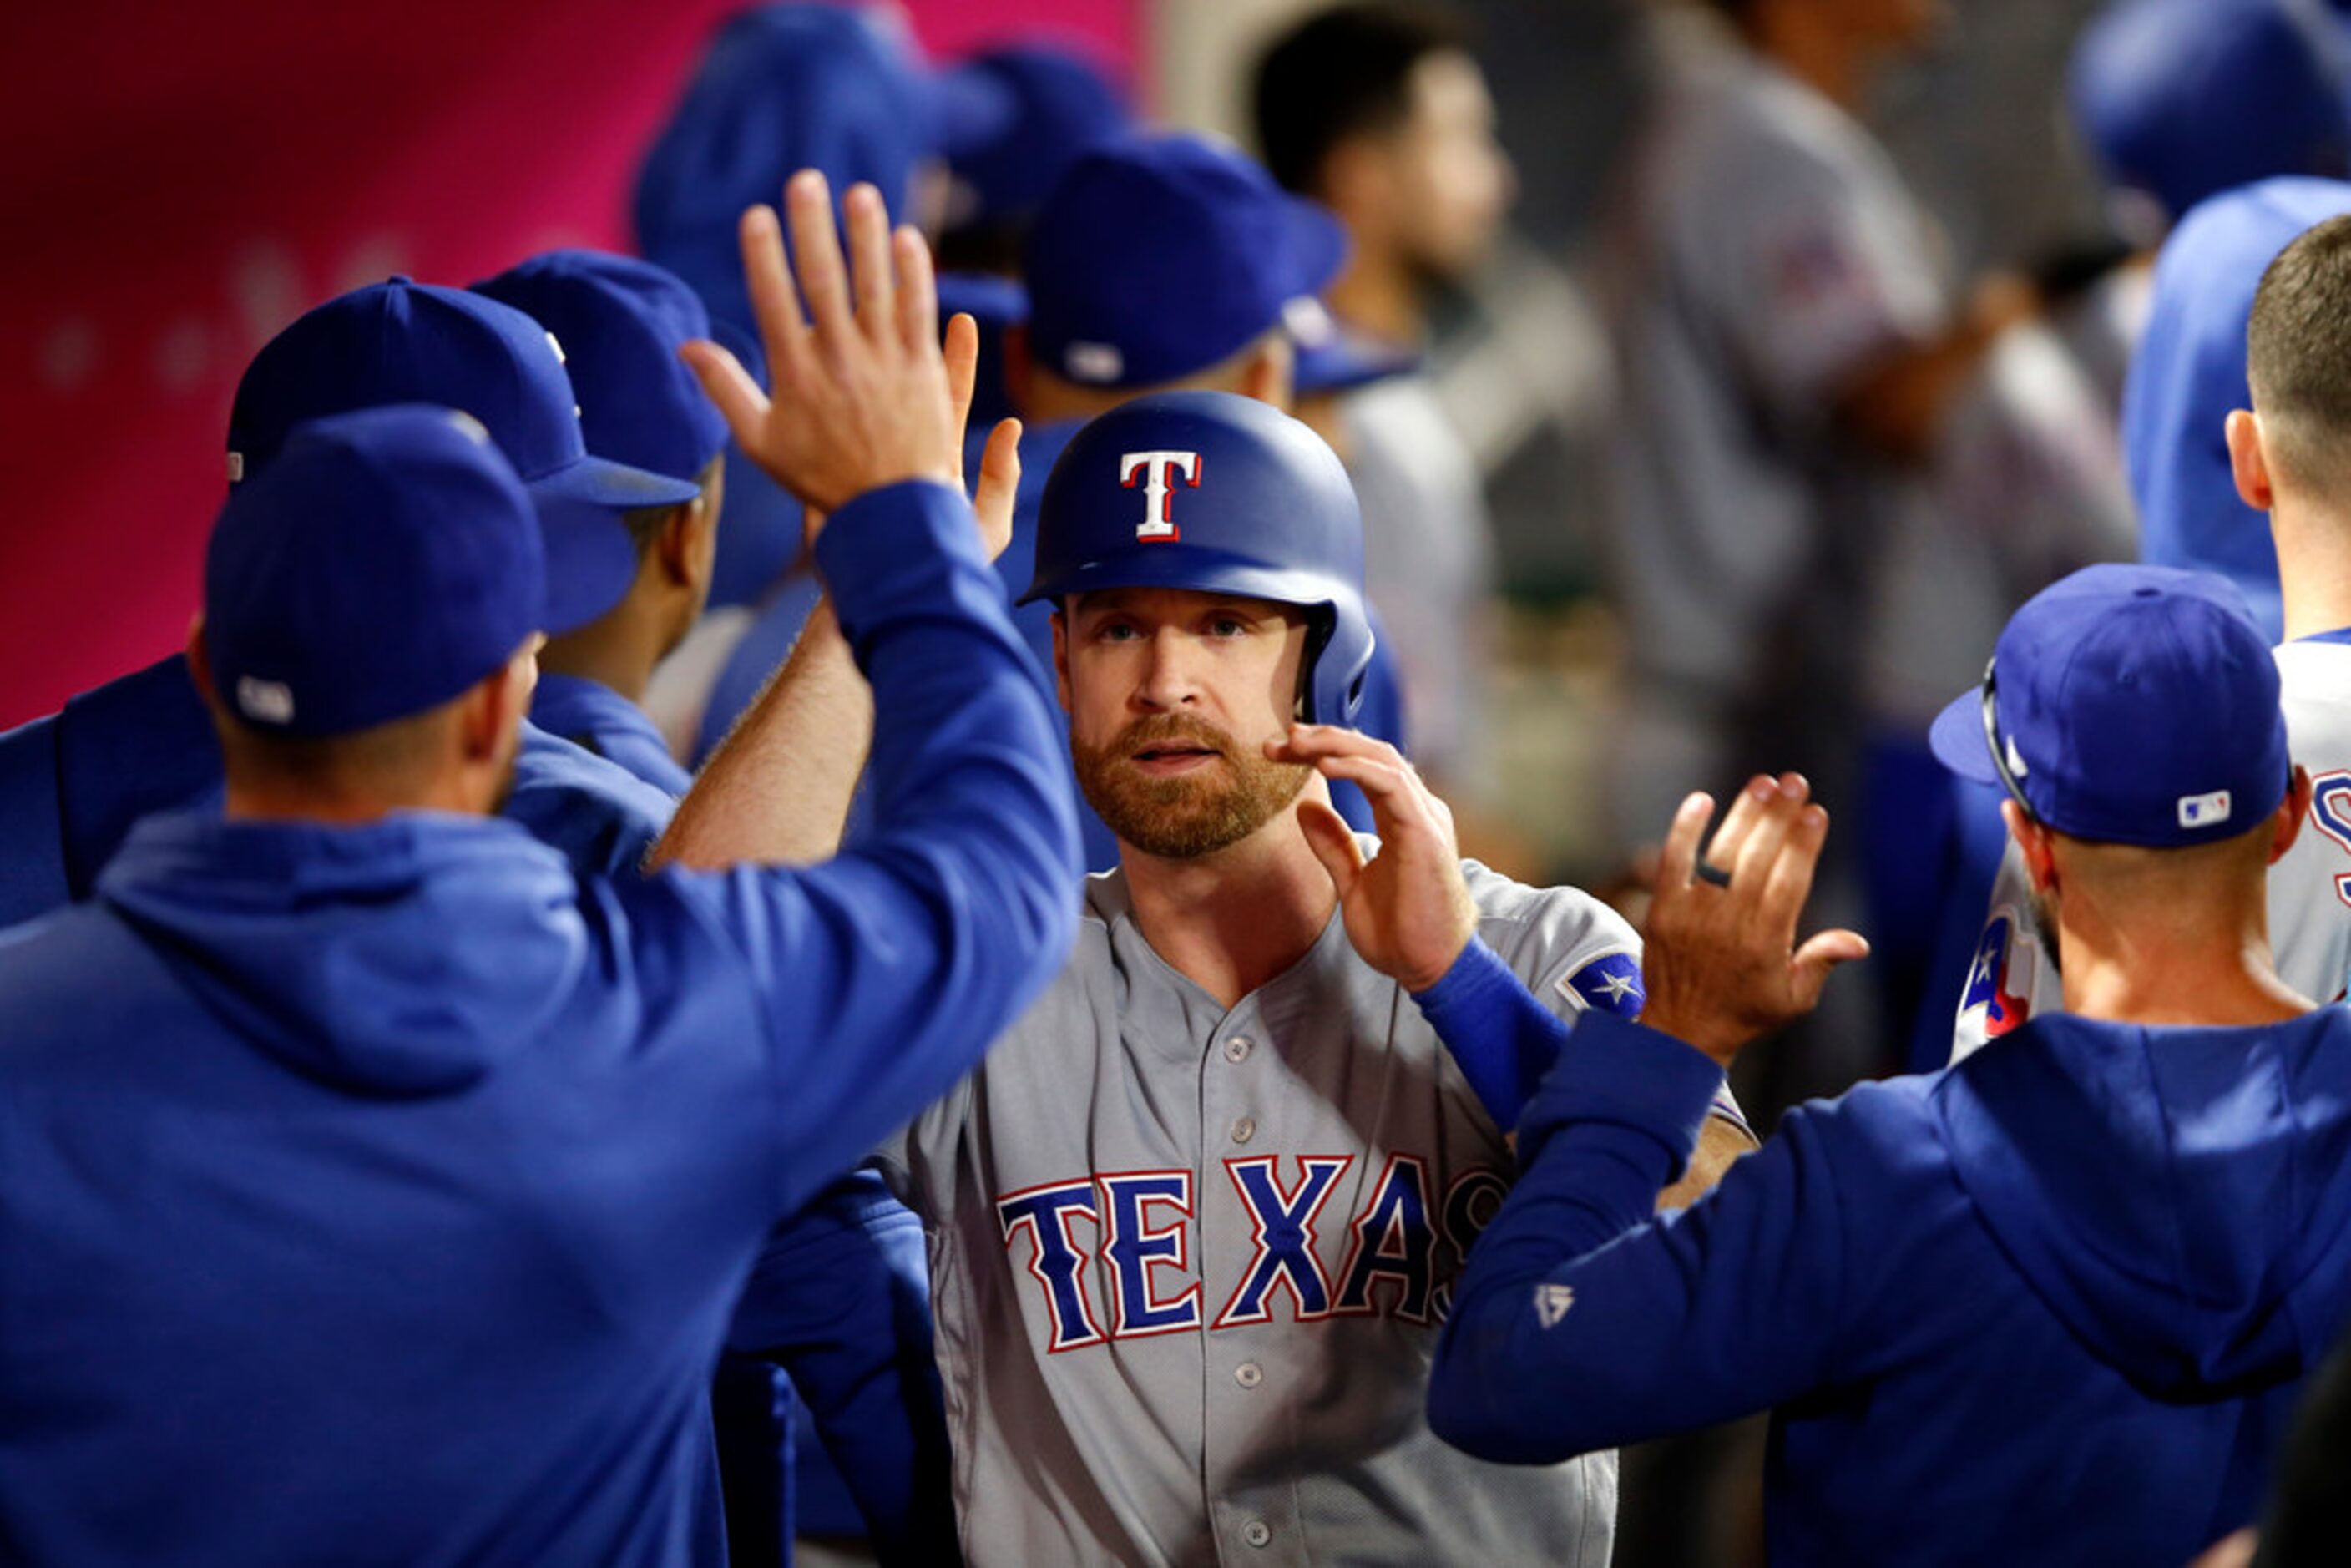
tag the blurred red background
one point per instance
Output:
(181, 181)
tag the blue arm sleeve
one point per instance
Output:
(841, 1298)
(32, 832)
(886, 971)
(1583, 1321)
(1502, 1038)
(599, 816)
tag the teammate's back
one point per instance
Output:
(378, 1186)
(301, 1158)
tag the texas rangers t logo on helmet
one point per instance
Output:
(1159, 471)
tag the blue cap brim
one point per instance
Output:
(1345, 363)
(591, 563)
(1956, 738)
(600, 482)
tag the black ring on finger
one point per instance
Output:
(1713, 874)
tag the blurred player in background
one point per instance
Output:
(1831, 484)
(2290, 457)
(1379, 112)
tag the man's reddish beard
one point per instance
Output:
(1192, 814)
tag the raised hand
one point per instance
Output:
(1408, 909)
(1720, 959)
(1000, 463)
(861, 394)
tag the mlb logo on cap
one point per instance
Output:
(2204, 810)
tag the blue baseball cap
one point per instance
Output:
(1157, 256)
(2189, 374)
(1330, 359)
(1014, 118)
(402, 342)
(622, 322)
(387, 560)
(780, 88)
(2128, 704)
(2183, 98)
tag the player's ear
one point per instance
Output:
(2286, 825)
(2249, 464)
(200, 659)
(678, 545)
(2033, 843)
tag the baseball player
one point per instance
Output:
(838, 1281)
(1195, 1223)
(73, 783)
(347, 1117)
(2054, 1304)
(2226, 248)
(1156, 263)
(1379, 112)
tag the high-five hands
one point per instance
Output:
(1408, 909)
(1720, 959)
(863, 392)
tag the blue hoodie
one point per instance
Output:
(385, 1193)
(841, 1298)
(2052, 1305)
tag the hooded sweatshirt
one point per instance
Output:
(382, 1194)
(840, 1298)
(2052, 1305)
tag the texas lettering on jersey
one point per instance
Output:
(1110, 1252)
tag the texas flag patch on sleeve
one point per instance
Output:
(1610, 983)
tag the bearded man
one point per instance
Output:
(1193, 1224)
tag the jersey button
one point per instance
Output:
(1256, 1532)
(1249, 1375)
(1244, 1130)
(1236, 1048)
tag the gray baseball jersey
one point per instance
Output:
(1189, 1264)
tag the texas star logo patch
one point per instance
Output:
(1552, 1303)
(1610, 983)
(1158, 472)
(1988, 978)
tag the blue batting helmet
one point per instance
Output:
(1222, 493)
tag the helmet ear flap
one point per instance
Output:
(1321, 625)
